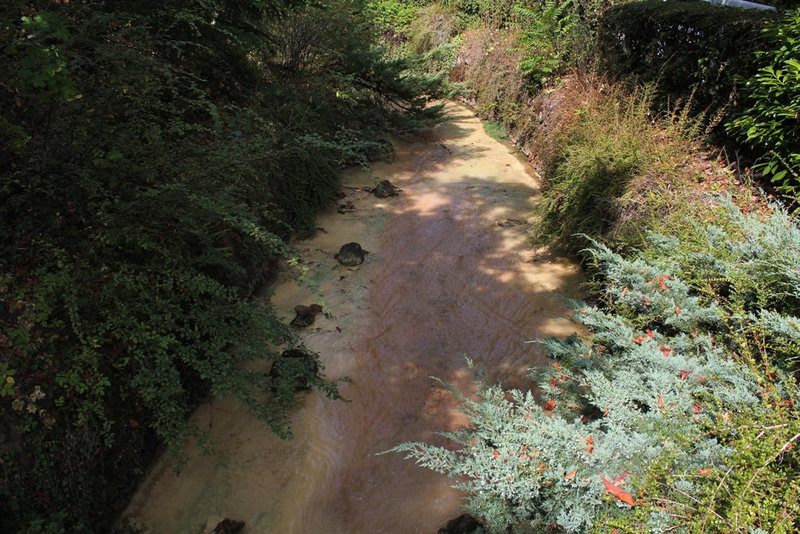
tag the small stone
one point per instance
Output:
(385, 189)
(351, 255)
(228, 526)
(463, 524)
(305, 315)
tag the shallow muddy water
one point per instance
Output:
(450, 275)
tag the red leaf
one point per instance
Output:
(660, 403)
(665, 350)
(697, 409)
(639, 340)
(495, 453)
(617, 492)
(589, 443)
(684, 374)
(649, 333)
(646, 300)
(677, 310)
(133, 423)
(550, 405)
(620, 480)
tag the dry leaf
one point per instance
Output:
(617, 492)
(571, 473)
(660, 403)
(550, 405)
(589, 443)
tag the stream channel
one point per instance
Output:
(451, 274)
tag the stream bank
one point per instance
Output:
(450, 275)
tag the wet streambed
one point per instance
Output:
(450, 275)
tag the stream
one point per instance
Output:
(450, 275)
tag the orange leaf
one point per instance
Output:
(639, 340)
(495, 453)
(589, 443)
(646, 300)
(617, 492)
(697, 409)
(660, 403)
(605, 412)
(624, 292)
(571, 473)
(620, 480)
(541, 468)
(684, 374)
(704, 471)
(572, 405)
(133, 423)
(550, 405)
(649, 333)
(665, 350)
(677, 310)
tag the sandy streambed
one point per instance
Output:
(450, 275)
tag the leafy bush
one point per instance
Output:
(545, 34)
(684, 46)
(635, 425)
(155, 160)
(768, 122)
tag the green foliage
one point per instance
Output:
(609, 143)
(495, 130)
(768, 122)
(545, 32)
(156, 157)
(684, 46)
(669, 399)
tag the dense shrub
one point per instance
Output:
(768, 121)
(651, 399)
(686, 46)
(610, 142)
(155, 159)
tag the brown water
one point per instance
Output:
(443, 281)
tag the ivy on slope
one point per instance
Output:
(635, 424)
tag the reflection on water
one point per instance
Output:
(450, 275)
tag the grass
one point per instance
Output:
(495, 130)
